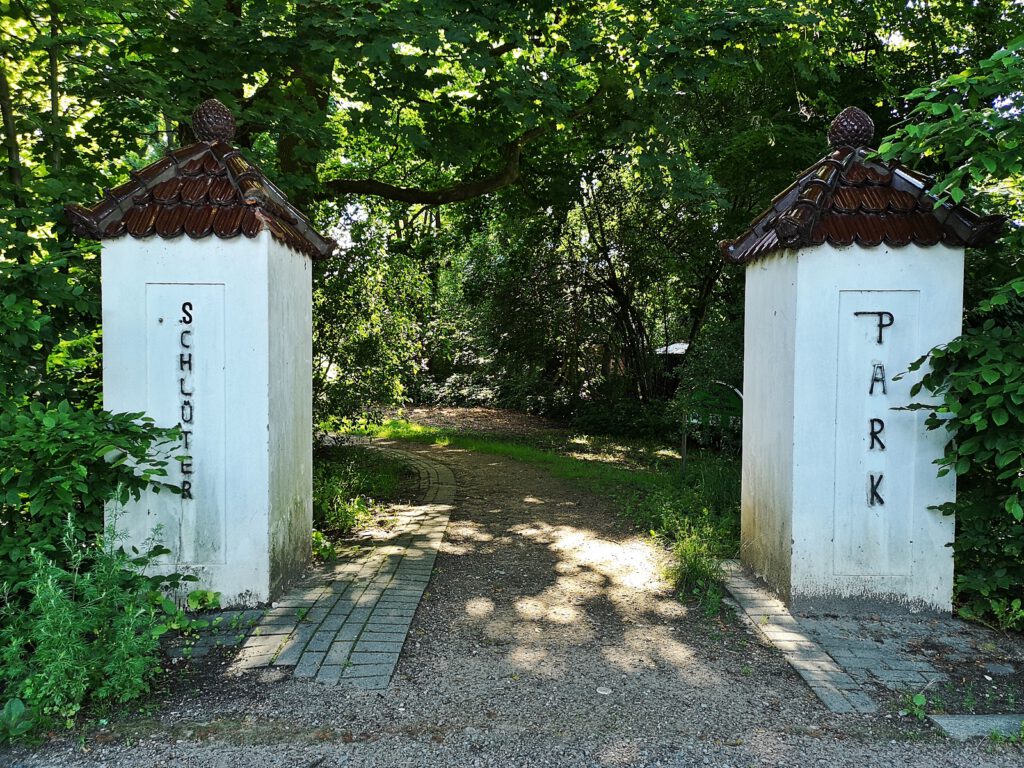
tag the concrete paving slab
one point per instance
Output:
(963, 727)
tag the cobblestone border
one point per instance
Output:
(830, 682)
(350, 624)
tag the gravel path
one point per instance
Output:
(546, 637)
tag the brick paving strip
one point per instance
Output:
(830, 682)
(837, 656)
(348, 626)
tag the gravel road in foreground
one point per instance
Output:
(547, 637)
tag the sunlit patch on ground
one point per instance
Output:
(629, 565)
(644, 647)
(528, 658)
(462, 536)
(480, 607)
(635, 454)
(466, 529)
(621, 753)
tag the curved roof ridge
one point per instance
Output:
(850, 197)
(206, 188)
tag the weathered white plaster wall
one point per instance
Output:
(768, 374)
(846, 545)
(291, 413)
(237, 291)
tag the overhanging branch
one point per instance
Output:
(462, 190)
(456, 193)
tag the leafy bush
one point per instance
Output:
(333, 511)
(365, 330)
(90, 631)
(623, 417)
(476, 388)
(321, 547)
(979, 381)
(699, 518)
(711, 414)
(62, 463)
(699, 536)
(15, 721)
(706, 402)
(79, 622)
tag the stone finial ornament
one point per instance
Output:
(851, 128)
(212, 121)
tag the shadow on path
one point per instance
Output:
(546, 637)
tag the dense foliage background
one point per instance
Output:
(528, 195)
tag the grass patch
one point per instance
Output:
(697, 516)
(349, 486)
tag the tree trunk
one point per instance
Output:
(14, 177)
(56, 132)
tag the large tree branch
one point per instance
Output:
(456, 193)
(461, 191)
(53, 56)
(10, 132)
(501, 50)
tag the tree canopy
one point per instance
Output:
(528, 197)
(530, 193)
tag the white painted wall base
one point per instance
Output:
(216, 335)
(833, 517)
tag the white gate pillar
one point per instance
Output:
(851, 275)
(207, 325)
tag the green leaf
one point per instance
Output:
(1013, 506)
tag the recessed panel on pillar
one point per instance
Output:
(185, 361)
(875, 443)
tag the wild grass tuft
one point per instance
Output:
(348, 483)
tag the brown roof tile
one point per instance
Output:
(203, 189)
(849, 198)
(199, 221)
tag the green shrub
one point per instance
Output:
(623, 417)
(978, 379)
(322, 548)
(706, 402)
(699, 520)
(60, 463)
(15, 721)
(90, 630)
(711, 414)
(473, 388)
(333, 510)
(346, 480)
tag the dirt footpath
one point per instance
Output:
(547, 637)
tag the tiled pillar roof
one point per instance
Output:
(207, 188)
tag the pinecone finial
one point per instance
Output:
(212, 121)
(851, 128)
